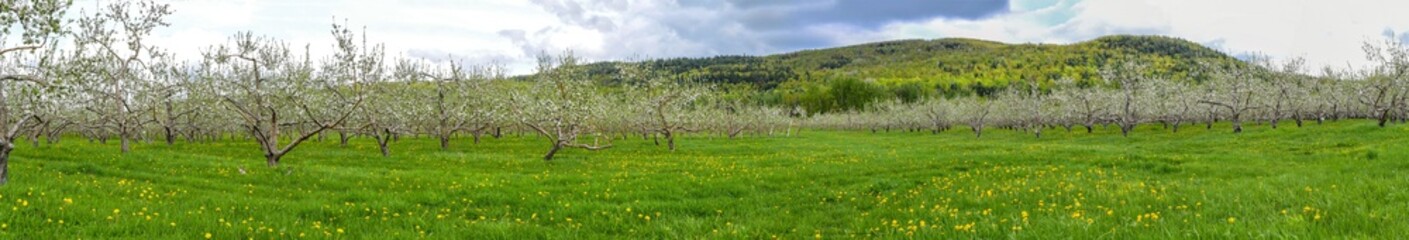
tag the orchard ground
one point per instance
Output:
(1341, 179)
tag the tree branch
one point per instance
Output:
(588, 147)
(19, 48)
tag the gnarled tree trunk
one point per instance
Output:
(5, 149)
(669, 140)
(557, 145)
(126, 144)
(384, 140)
(273, 158)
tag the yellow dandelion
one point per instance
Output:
(1232, 220)
(207, 235)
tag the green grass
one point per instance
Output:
(1339, 180)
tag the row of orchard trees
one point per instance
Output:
(1262, 91)
(97, 77)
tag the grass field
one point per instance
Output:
(1346, 179)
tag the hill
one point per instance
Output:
(955, 64)
(913, 69)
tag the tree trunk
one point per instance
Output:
(343, 139)
(126, 145)
(5, 163)
(1384, 117)
(53, 137)
(273, 159)
(170, 136)
(557, 145)
(444, 142)
(670, 140)
(386, 137)
(386, 152)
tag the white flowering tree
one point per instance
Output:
(461, 100)
(1132, 80)
(273, 93)
(1386, 91)
(1233, 89)
(119, 64)
(21, 90)
(383, 114)
(666, 102)
(562, 105)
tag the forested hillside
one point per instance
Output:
(913, 69)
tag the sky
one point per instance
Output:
(513, 32)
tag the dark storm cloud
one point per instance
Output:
(740, 26)
(781, 22)
(860, 13)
